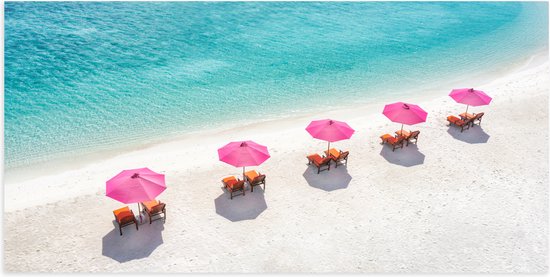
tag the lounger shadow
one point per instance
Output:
(247, 207)
(407, 156)
(337, 178)
(475, 134)
(133, 244)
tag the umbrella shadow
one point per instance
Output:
(407, 156)
(475, 134)
(241, 207)
(133, 244)
(333, 179)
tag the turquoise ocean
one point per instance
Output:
(88, 76)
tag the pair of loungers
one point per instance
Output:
(236, 185)
(323, 162)
(401, 137)
(465, 120)
(125, 216)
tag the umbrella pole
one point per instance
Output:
(139, 212)
(244, 179)
(401, 129)
(328, 149)
(467, 106)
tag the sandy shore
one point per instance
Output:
(457, 202)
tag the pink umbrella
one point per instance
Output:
(405, 113)
(329, 130)
(470, 97)
(243, 153)
(135, 185)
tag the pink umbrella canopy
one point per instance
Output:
(405, 113)
(329, 130)
(135, 185)
(470, 97)
(243, 153)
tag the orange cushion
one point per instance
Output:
(315, 158)
(124, 214)
(453, 118)
(125, 217)
(233, 184)
(333, 152)
(123, 209)
(404, 133)
(251, 174)
(150, 204)
(388, 138)
(230, 178)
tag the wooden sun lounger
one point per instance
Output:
(153, 208)
(477, 116)
(319, 162)
(413, 136)
(233, 185)
(342, 156)
(459, 122)
(124, 217)
(254, 178)
(393, 141)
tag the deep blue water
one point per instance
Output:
(82, 76)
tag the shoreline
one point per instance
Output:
(74, 162)
(50, 186)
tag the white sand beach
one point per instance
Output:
(475, 201)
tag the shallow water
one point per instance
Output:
(83, 76)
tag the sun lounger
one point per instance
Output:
(412, 136)
(153, 208)
(319, 162)
(343, 156)
(337, 156)
(393, 141)
(459, 122)
(465, 116)
(254, 178)
(233, 185)
(124, 217)
(333, 152)
(477, 117)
